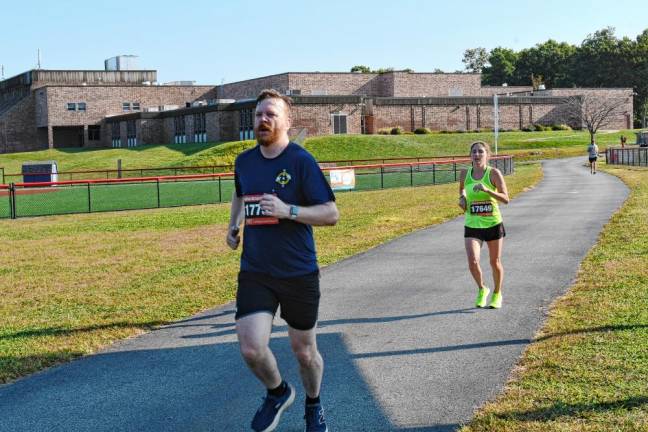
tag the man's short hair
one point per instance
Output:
(274, 94)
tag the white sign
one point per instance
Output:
(342, 179)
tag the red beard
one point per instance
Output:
(269, 136)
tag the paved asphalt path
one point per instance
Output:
(404, 348)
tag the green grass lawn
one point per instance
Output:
(524, 145)
(587, 369)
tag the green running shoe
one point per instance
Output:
(496, 301)
(481, 297)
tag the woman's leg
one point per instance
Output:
(473, 249)
(495, 255)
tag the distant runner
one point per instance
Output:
(480, 189)
(592, 151)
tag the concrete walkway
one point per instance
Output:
(403, 346)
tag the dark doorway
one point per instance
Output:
(68, 136)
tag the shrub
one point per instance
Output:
(527, 129)
(561, 127)
(541, 128)
(384, 131)
(396, 130)
(422, 131)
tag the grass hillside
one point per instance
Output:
(524, 145)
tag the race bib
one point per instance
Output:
(481, 208)
(253, 213)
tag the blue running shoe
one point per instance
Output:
(267, 416)
(315, 419)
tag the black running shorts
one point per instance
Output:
(593, 159)
(298, 297)
(486, 234)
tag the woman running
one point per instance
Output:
(480, 189)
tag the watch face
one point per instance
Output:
(293, 211)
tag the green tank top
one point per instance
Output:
(482, 210)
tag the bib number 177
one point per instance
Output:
(253, 213)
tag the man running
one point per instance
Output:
(280, 193)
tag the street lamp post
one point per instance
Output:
(495, 121)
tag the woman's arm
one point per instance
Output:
(462, 191)
(501, 192)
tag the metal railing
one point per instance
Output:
(634, 156)
(195, 169)
(101, 195)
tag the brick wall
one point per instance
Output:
(150, 131)
(18, 127)
(621, 119)
(316, 118)
(249, 89)
(337, 83)
(102, 101)
(435, 84)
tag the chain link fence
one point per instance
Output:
(89, 196)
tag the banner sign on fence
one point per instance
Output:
(342, 179)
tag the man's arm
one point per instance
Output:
(317, 215)
(233, 237)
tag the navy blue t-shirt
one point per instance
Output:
(283, 248)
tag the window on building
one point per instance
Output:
(339, 121)
(94, 132)
(455, 91)
(126, 106)
(200, 127)
(81, 106)
(116, 135)
(71, 106)
(136, 106)
(131, 133)
(246, 124)
(180, 136)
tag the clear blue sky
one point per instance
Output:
(211, 41)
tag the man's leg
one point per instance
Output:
(311, 364)
(311, 367)
(254, 336)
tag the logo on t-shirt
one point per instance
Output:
(283, 178)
